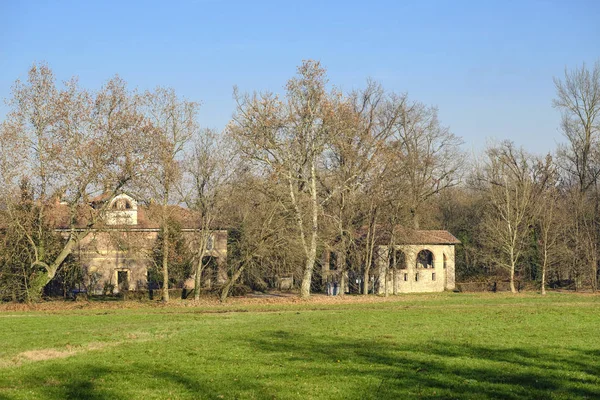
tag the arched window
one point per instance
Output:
(397, 259)
(445, 261)
(425, 259)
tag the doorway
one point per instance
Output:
(123, 280)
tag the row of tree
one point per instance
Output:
(296, 175)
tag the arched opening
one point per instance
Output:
(397, 259)
(445, 261)
(425, 259)
(122, 204)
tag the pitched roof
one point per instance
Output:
(409, 236)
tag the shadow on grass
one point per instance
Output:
(85, 381)
(293, 365)
(443, 369)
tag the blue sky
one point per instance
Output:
(487, 65)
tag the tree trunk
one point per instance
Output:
(367, 268)
(594, 271)
(369, 255)
(312, 251)
(198, 278)
(342, 268)
(40, 281)
(307, 276)
(512, 278)
(165, 263)
(230, 282)
(415, 217)
(385, 283)
(544, 265)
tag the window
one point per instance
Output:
(397, 259)
(210, 242)
(433, 276)
(425, 259)
(121, 204)
(417, 277)
(405, 277)
(445, 261)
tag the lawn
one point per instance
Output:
(415, 346)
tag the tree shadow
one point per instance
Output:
(443, 369)
(296, 365)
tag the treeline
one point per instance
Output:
(292, 176)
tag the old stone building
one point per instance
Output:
(409, 261)
(118, 253)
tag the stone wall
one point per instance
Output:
(103, 254)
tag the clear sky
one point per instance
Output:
(488, 65)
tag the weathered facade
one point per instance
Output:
(410, 261)
(118, 254)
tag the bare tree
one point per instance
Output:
(550, 218)
(174, 122)
(287, 137)
(355, 163)
(261, 234)
(507, 181)
(208, 168)
(429, 154)
(578, 99)
(75, 145)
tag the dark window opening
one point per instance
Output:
(122, 280)
(425, 259)
(433, 276)
(397, 259)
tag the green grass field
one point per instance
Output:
(419, 346)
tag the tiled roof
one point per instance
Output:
(404, 235)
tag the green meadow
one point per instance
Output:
(463, 346)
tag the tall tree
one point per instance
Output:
(508, 184)
(75, 145)
(208, 168)
(550, 219)
(287, 137)
(578, 99)
(355, 163)
(173, 123)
